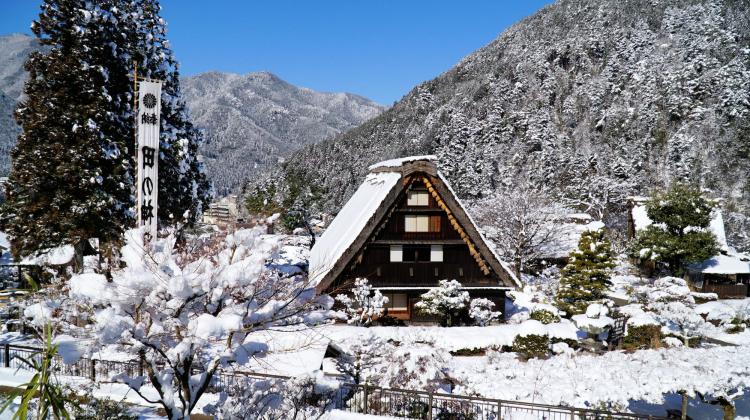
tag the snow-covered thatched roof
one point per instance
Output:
(350, 221)
(366, 208)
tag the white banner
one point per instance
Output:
(149, 108)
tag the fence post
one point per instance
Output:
(366, 410)
(684, 405)
(92, 373)
(429, 407)
(499, 410)
(6, 355)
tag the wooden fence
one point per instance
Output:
(350, 397)
(726, 290)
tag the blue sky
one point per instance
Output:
(379, 48)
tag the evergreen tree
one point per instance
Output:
(69, 181)
(678, 234)
(586, 277)
(73, 170)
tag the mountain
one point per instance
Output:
(14, 49)
(592, 100)
(252, 121)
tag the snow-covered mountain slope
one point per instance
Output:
(250, 121)
(597, 99)
(253, 120)
(14, 49)
(9, 131)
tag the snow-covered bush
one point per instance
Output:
(193, 309)
(664, 289)
(447, 301)
(97, 409)
(680, 320)
(647, 336)
(544, 316)
(532, 340)
(375, 361)
(364, 306)
(305, 397)
(481, 311)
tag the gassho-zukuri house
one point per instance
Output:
(404, 230)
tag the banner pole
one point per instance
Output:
(135, 143)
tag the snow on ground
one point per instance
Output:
(346, 415)
(114, 391)
(617, 377)
(450, 339)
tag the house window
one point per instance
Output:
(417, 198)
(396, 301)
(397, 253)
(436, 253)
(416, 253)
(414, 223)
(421, 223)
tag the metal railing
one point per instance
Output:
(350, 397)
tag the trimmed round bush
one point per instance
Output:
(531, 346)
(642, 337)
(544, 316)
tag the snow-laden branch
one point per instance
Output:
(186, 315)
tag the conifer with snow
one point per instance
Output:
(74, 165)
(71, 178)
(678, 234)
(586, 277)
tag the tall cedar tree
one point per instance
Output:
(679, 234)
(78, 126)
(69, 181)
(586, 277)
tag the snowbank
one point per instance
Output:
(616, 377)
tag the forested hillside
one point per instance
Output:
(595, 100)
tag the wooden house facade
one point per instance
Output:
(404, 230)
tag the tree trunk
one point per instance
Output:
(517, 267)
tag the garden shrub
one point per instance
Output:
(544, 316)
(531, 346)
(642, 337)
(107, 409)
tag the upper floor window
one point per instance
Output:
(417, 198)
(416, 253)
(421, 223)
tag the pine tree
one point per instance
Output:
(586, 277)
(68, 181)
(678, 234)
